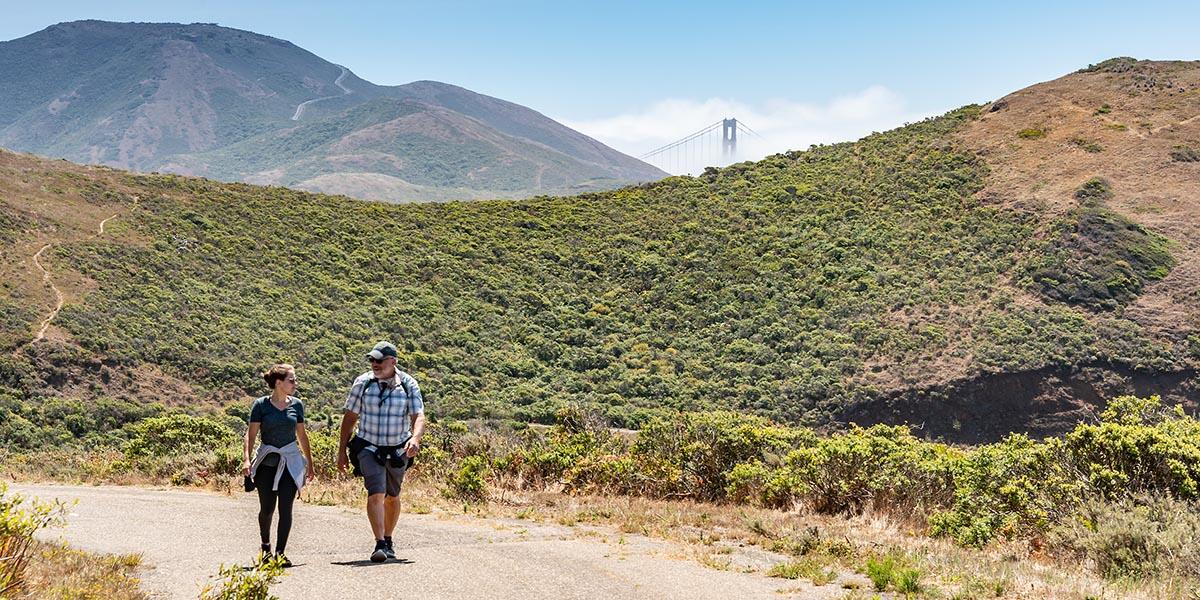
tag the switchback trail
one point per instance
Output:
(58, 295)
(338, 82)
(184, 536)
(44, 326)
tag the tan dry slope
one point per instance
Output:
(1132, 115)
(184, 536)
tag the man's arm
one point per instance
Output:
(418, 428)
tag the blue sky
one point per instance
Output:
(602, 66)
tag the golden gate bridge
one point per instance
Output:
(714, 145)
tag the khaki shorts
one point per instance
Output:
(377, 478)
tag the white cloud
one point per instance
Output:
(782, 124)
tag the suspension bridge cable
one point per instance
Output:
(748, 130)
(679, 142)
(683, 140)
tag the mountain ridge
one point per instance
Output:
(171, 97)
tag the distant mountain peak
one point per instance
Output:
(209, 100)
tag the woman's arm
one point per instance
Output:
(248, 447)
(302, 435)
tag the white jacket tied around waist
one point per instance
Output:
(290, 456)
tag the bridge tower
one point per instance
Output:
(729, 138)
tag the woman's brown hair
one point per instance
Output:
(277, 372)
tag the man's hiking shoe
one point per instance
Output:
(389, 550)
(380, 554)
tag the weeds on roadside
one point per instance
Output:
(814, 569)
(60, 571)
(239, 583)
(20, 518)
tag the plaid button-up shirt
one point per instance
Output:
(385, 407)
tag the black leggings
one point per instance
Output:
(264, 480)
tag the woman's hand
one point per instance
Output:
(246, 468)
(311, 474)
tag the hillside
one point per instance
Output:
(237, 106)
(1000, 268)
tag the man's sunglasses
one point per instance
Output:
(376, 360)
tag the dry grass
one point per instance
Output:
(59, 572)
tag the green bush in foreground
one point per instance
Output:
(239, 583)
(1135, 537)
(20, 518)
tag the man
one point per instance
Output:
(386, 405)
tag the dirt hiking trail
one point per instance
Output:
(184, 536)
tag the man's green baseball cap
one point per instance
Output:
(382, 350)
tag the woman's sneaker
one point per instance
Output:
(380, 553)
(285, 563)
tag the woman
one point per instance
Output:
(279, 468)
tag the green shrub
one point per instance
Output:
(1022, 488)
(324, 445)
(882, 571)
(1138, 447)
(468, 483)
(1013, 488)
(1032, 133)
(20, 519)
(691, 453)
(568, 451)
(881, 467)
(1094, 191)
(908, 581)
(1135, 537)
(1090, 146)
(176, 434)
(238, 583)
(1120, 64)
(1097, 257)
(1185, 154)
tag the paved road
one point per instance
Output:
(338, 82)
(185, 535)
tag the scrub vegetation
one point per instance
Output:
(790, 288)
(1116, 498)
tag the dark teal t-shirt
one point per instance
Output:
(278, 426)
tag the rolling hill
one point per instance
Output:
(1004, 267)
(237, 106)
